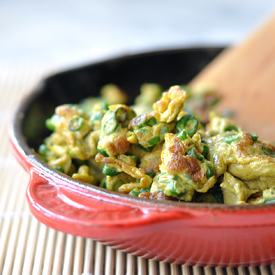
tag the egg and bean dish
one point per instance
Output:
(169, 145)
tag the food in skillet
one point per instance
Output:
(167, 146)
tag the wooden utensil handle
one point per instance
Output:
(244, 76)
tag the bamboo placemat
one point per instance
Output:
(29, 247)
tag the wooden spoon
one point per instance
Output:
(244, 76)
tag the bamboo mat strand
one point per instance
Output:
(28, 247)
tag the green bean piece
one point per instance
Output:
(75, 124)
(120, 114)
(231, 128)
(268, 151)
(52, 122)
(59, 168)
(154, 141)
(269, 200)
(104, 184)
(145, 149)
(229, 138)
(104, 106)
(109, 171)
(254, 136)
(210, 171)
(205, 151)
(102, 152)
(97, 116)
(139, 120)
(131, 114)
(194, 153)
(174, 189)
(163, 130)
(144, 190)
(151, 121)
(182, 134)
(135, 192)
(188, 122)
(110, 125)
(151, 173)
(43, 149)
(134, 157)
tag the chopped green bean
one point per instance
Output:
(231, 128)
(97, 116)
(135, 192)
(43, 149)
(104, 106)
(144, 190)
(194, 153)
(120, 114)
(102, 152)
(139, 120)
(52, 122)
(254, 136)
(154, 141)
(110, 125)
(109, 171)
(59, 168)
(205, 151)
(145, 149)
(188, 122)
(151, 121)
(268, 151)
(229, 138)
(182, 134)
(210, 171)
(151, 173)
(75, 124)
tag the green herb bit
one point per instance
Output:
(229, 138)
(194, 153)
(59, 168)
(210, 171)
(231, 128)
(254, 136)
(139, 120)
(109, 171)
(205, 151)
(102, 152)
(52, 122)
(154, 141)
(151, 121)
(135, 192)
(120, 114)
(268, 151)
(75, 124)
(110, 126)
(188, 122)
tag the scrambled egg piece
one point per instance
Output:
(167, 146)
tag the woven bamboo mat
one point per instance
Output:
(29, 247)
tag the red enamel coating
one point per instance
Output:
(174, 233)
